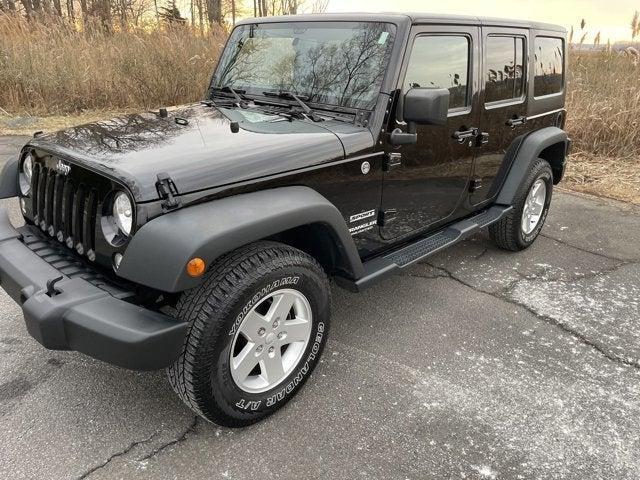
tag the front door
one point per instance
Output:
(504, 104)
(433, 176)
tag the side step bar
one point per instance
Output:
(386, 265)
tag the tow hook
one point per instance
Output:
(52, 291)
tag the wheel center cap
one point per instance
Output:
(270, 338)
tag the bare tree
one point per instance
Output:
(214, 12)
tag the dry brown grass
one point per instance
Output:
(52, 68)
(603, 105)
(611, 177)
(71, 77)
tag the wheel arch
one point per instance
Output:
(550, 143)
(555, 154)
(321, 242)
(158, 253)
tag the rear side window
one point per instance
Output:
(441, 61)
(504, 68)
(549, 66)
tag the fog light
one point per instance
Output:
(23, 206)
(196, 267)
(117, 259)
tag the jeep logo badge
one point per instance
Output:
(62, 168)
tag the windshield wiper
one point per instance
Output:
(237, 94)
(292, 96)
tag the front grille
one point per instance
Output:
(65, 209)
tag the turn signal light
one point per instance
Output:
(196, 267)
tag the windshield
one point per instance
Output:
(335, 63)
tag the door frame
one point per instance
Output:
(473, 33)
(485, 109)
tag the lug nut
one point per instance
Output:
(261, 331)
(271, 349)
(275, 324)
(259, 349)
(281, 335)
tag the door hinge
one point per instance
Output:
(385, 217)
(392, 160)
(482, 139)
(167, 191)
(475, 185)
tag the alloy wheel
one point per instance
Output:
(534, 206)
(271, 341)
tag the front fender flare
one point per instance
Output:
(9, 179)
(528, 151)
(158, 253)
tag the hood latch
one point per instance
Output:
(167, 191)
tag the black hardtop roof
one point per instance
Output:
(415, 18)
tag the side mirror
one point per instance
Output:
(426, 106)
(422, 106)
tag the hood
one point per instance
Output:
(196, 147)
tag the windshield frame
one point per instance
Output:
(390, 71)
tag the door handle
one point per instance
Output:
(515, 121)
(476, 136)
(462, 135)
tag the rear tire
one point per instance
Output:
(519, 229)
(215, 374)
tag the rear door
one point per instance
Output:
(504, 105)
(432, 179)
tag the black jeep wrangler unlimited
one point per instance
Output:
(202, 238)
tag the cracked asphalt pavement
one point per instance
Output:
(477, 364)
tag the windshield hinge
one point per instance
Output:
(167, 191)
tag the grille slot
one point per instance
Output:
(78, 215)
(34, 191)
(48, 202)
(58, 189)
(64, 210)
(42, 181)
(67, 209)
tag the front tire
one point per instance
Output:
(519, 229)
(258, 324)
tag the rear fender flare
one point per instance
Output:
(529, 151)
(158, 253)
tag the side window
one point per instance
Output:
(441, 61)
(504, 68)
(549, 66)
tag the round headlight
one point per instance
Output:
(26, 173)
(123, 212)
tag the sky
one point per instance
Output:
(611, 17)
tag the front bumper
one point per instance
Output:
(75, 314)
